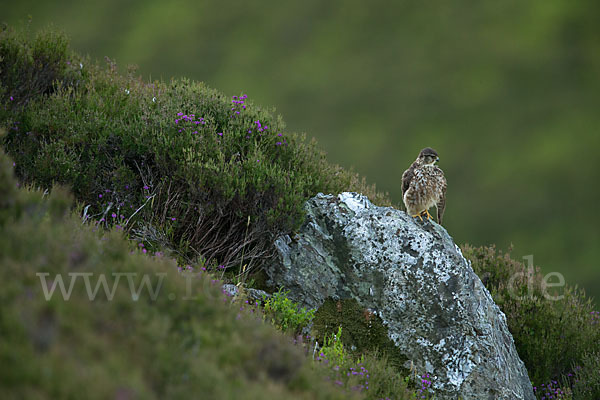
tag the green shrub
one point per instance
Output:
(552, 335)
(178, 157)
(285, 314)
(333, 348)
(30, 67)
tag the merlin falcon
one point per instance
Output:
(424, 186)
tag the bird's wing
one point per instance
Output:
(441, 204)
(406, 178)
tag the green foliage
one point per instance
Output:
(30, 67)
(157, 346)
(552, 334)
(333, 348)
(285, 314)
(8, 189)
(179, 156)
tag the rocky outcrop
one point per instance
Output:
(412, 275)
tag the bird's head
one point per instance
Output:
(428, 156)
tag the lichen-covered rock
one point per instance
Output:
(412, 275)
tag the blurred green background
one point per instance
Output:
(507, 91)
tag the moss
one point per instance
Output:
(363, 331)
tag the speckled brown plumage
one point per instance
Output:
(424, 185)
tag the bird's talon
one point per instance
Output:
(418, 215)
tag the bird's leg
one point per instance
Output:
(426, 214)
(418, 215)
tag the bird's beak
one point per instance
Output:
(437, 159)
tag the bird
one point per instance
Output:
(424, 186)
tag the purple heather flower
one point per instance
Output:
(220, 133)
(100, 196)
(173, 219)
(180, 114)
(146, 187)
(11, 98)
(113, 215)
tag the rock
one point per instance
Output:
(411, 274)
(253, 294)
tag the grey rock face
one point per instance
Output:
(411, 274)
